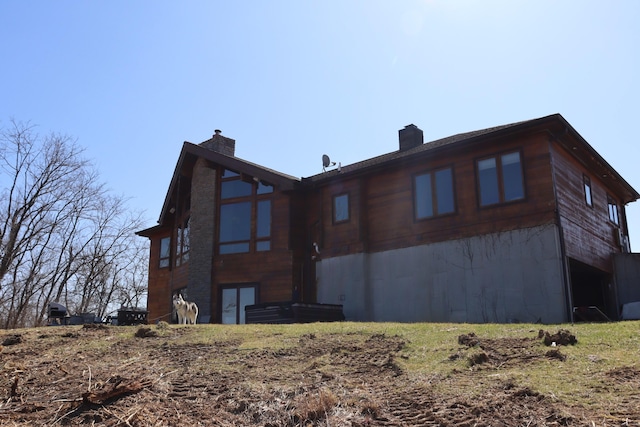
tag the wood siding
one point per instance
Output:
(162, 282)
(382, 209)
(274, 271)
(588, 234)
(382, 212)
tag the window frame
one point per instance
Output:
(613, 211)
(334, 209)
(500, 179)
(588, 190)
(433, 187)
(231, 243)
(164, 261)
(183, 241)
(237, 287)
(260, 192)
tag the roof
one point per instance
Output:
(398, 154)
(190, 152)
(557, 127)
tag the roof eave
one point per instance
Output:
(632, 194)
(416, 153)
(549, 123)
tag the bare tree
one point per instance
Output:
(62, 236)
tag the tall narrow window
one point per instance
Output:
(588, 198)
(263, 226)
(165, 252)
(341, 208)
(434, 193)
(613, 210)
(500, 179)
(512, 177)
(183, 243)
(488, 177)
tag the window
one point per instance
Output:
(165, 252)
(264, 188)
(588, 198)
(263, 226)
(434, 193)
(235, 227)
(500, 179)
(613, 210)
(183, 243)
(245, 215)
(341, 208)
(233, 302)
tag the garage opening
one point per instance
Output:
(592, 293)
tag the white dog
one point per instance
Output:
(187, 311)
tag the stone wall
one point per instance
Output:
(221, 144)
(202, 234)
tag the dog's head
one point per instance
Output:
(178, 300)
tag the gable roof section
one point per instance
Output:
(190, 152)
(575, 144)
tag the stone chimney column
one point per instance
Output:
(221, 144)
(202, 234)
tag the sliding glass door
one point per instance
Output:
(234, 299)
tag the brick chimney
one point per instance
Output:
(410, 137)
(221, 144)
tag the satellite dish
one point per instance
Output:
(326, 162)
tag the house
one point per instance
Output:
(523, 222)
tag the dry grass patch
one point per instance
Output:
(355, 374)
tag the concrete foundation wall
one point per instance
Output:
(627, 275)
(514, 276)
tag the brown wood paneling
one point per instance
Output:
(339, 236)
(588, 234)
(162, 281)
(271, 270)
(384, 201)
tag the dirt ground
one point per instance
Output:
(325, 380)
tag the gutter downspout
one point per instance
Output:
(563, 255)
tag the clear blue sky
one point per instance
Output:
(292, 80)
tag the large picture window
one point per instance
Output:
(434, 193)
(500, 179)
(235, 227)
(245, 214)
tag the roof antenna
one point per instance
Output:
(326, 162)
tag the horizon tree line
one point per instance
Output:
(64, 237)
